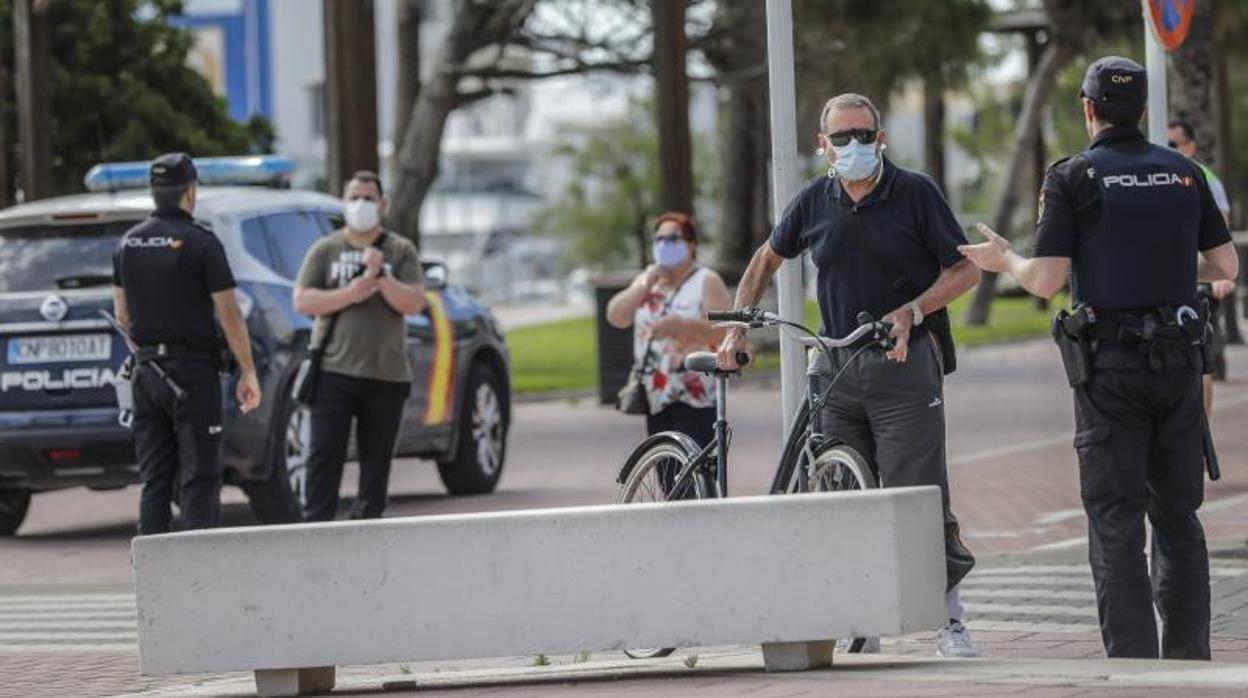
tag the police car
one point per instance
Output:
(58, 413)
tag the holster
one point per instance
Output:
(1074, 347)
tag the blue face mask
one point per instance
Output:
(856, 161)
(670, 253)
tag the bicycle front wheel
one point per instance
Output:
(839, 468)
(796, 453)
(648, 476)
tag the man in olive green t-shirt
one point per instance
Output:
(369, 279)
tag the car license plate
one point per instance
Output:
(64, 348)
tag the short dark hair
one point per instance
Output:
(169, 196)
(684, 221)
(1186, 128)
(366, 176)
(1118, 113)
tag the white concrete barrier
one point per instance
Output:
(786, 571)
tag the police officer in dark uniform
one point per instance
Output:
(169, 276)
(1136, 226)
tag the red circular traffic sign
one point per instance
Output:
(1171, 19)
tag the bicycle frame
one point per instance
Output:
(718, 447)
(815, 394)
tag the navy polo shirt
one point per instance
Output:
(905, 219)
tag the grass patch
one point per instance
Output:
(563, 355)
(555, 356)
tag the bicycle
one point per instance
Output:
(810, 462)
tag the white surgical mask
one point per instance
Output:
(362, 215)
(856, 161)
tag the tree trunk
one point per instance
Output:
(671, 105)
(350, 91)
(739, 58)
(1191, 90)
(934, 131)
(411, 15)
(474, 26)
(1053, 59)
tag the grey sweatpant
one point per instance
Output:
(894, 415)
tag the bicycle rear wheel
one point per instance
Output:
(839, 468)
(646, 477)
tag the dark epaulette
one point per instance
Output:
(1058, 163)
(202, 224)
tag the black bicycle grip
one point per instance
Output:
(740, 315)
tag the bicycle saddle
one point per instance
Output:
(701, 361)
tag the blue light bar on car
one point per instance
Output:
(266, 170)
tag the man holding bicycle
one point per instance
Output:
(885, 243)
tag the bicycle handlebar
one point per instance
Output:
(876, 330)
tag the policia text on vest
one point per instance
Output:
(1135, 227)
(170, 277)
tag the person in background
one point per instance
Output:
(1182, 137)
(372, 279)
(667, 306)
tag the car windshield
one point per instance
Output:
(45, 257)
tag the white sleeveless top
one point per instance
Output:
(665, 379)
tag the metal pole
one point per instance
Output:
(784, 184)
(1155, 64)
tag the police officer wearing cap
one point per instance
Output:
(1135, 226)
(169, 276)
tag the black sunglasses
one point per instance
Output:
(865, 136)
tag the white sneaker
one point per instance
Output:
(954, 641)
(870, 645)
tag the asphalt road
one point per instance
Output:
(1007, 404)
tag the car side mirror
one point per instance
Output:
(435, 275)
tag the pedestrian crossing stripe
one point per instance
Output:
(1085, 571)
(85, 622)
(442, 370)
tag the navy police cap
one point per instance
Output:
(1116, 80)
(172, 170)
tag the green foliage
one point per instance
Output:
(614, 190)
(869, 46)
(122, 89)
(605, 210)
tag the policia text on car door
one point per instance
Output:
(1136, 226)
(169, 275)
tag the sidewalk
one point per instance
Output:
(739, 671)
(1033, 615)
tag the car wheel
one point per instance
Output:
(279, 498)
(14, 504)
(482, 435)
